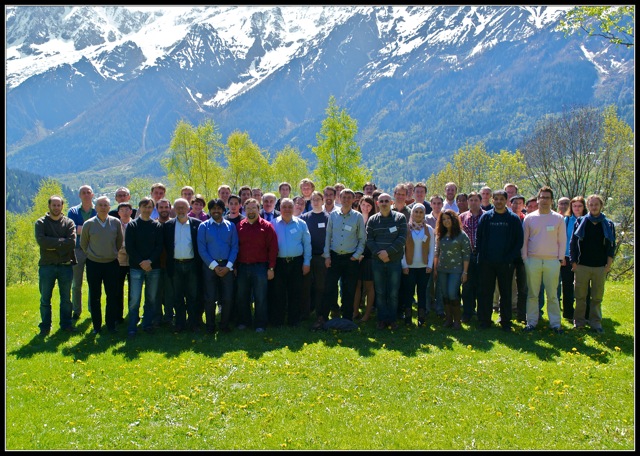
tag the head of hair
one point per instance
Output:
(316, 193)
(454, 231)
(158, 185)
(125, 204)
(224, 186)
(533, 199)
(215, 202)
(376, 193)
(400, 187)
(509, 184)
(368, 199)
(236, 197)
(251, 200)
(500, 192)
(187, 187)
(422, 185)
(375, 187)
(331, 188)
(145, 201)
(516, 197)
(164, 200)
(307, 181)
(104, 198)
(460, 195)
(473, 193)
(577, 199)
(243, 188)
(598, 197)
(198, 197)
(284, 184)
(181, 200)
(123, 189)
(545, 189)
(436, 197)
(349, 191)
(451, 183)
(52, 197)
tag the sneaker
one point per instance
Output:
(558, 330)
(259, 330)
(529, 328)
(599, 330)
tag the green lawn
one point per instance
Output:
(413, 388)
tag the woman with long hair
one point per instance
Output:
(577, 208)
(364, 286)
(451, 263)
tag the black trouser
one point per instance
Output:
(343, 270)
(313, 287)
(97, 274)
(489, 272)
(471, 289)
(288, 285)
(521, 284)
(185, 291)
(124, 275)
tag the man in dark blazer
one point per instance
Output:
(268, 211)
(183, 264)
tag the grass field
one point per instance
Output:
(412, 388)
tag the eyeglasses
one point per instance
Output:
(121, 194)
(544, 197)
(384, 201)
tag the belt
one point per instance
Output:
(289, 259)
(68, 263)
(183, 260)
(333, 252)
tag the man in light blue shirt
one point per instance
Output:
(344, 244)
(293, 262)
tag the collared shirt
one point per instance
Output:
(453, 205)
(345, 234)
(183, 243)
(218, 241)
(79, 216)
(258, 242)
(469, 224)
(294, 239)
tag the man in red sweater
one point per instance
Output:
(258, 250)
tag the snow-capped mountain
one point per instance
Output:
(90, 87)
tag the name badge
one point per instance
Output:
(321, 225)
(425, 239)
(393, 229)
(550, 228)
(347, 227)
(293, 231)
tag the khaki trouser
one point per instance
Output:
(583, 276)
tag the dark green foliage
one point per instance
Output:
(22, 186)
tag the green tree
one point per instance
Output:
(139, 187)
(338, 154)
(613, 23)
(194, 155)
(507, 167)
(22, 251)
(289, 166)
(246, 163)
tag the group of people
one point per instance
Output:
(260, 261)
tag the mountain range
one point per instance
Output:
(95, 92)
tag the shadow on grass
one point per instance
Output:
(367, 340)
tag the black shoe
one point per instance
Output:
(529, 328)
(69, 329)
(44, 332)
(558, 330)
(75, 316)
(381, 325)
(485, 325)
(507, 328)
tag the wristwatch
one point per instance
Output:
(270, 269)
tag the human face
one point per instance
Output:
(122, 196)
(268, 203)
(187, 194)
(55, 207)
(257, 194)
(157, 194)
(346, 199)
(594, 206)
(145, 211)
(329, 197)
(517, 205)
(563, 205)
(86, 195)
(409, 191)
(400, 197)
(339, 189)
(216, 213)
(181, 208)
(436, 204)
(224, 194)
(486, 196)
(245, 195)
(463, 204)
(474, 203)
(316, 203)
(365, 207)
(384, 203)
(102, 208)
(417, 215)
(368, 190)
(577, 208)
(251, 210)
(298, 206)
(306, 189)
(450, 191)
(234, 206)
(125, 212)
(532, 206)
(511, 191)
(420, 193)
(285, 191)
(197, 207)
(446, 221)
(164, 208)
(500, 202)
(544, 201)
(286, 210)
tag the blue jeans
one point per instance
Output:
(151, 281)
(252, 279)
(450, 283)
(48, 274)
(386, 280)
(217, 289)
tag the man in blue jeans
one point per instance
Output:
(144, 242)
(56, 236)
(386, 238)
